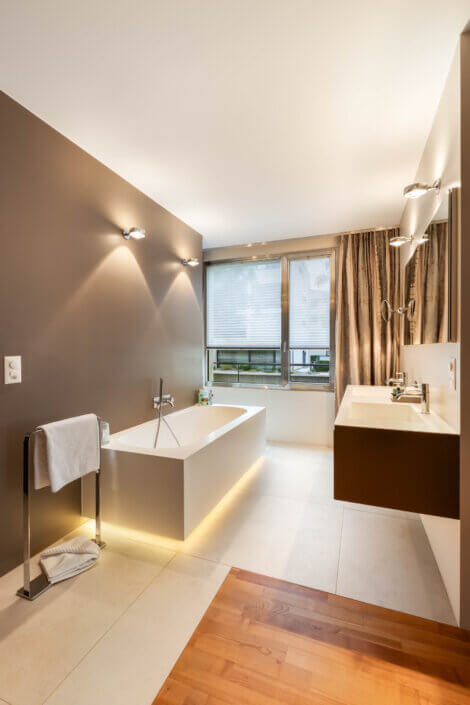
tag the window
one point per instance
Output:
(251, 339)
(309, 320)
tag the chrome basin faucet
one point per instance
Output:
(413, 394)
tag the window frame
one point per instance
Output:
(286, 384)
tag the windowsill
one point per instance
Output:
(296, 387)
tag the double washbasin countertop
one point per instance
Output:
(372, 407)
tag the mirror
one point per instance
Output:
(429, 283)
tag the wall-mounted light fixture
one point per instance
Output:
(400, 240)
(136, 233)
(422, 239)
(191, 262)
(417, 190)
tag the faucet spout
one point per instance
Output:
(413, 395)
(158, 403)
(163, 400)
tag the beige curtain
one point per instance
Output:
(368, 272)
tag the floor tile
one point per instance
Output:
(388, 561)
(303, 477)
(303, 547)
(131, 662)
(41, 641)
(379, 510)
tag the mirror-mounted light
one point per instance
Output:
(418, 189)
(191, 262)
(136, 233)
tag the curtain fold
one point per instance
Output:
(368, 271)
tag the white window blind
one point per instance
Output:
(309, 297)
(243, 304)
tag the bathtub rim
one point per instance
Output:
(183, 452)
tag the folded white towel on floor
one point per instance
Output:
(69, 558)
(66, 450)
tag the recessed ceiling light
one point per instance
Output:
(136, 233)
(418, 189)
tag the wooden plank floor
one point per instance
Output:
(264, 642)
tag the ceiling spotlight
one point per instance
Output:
(192, 262)
(400, 240)
(136, 233)
(417, 190)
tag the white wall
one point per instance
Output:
(444, 537)
(429, 363)
(291, 416)
(440, 160)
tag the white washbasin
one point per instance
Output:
(392, 412)
(372, 407)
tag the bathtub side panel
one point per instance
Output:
(138, 491)
(211, 472)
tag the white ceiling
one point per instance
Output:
(250, 120)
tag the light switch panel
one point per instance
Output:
(12, 369)
(453, 373)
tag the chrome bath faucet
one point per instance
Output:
(164, 400)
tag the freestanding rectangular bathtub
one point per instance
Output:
(168, 490)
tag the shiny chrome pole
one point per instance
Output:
(98, 540)
(31, 588)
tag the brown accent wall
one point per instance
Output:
(465, 336)
(96, 319)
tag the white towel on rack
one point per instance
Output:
(69, 558)
(66, 450)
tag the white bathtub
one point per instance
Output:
(168, 490)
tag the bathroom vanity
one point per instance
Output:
(389, 454)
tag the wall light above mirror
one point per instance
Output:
(419, 189)
(429, 278)
(400, 240)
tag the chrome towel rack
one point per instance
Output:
(33, 588)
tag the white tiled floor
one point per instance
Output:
(112, 634)
(401, 569)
